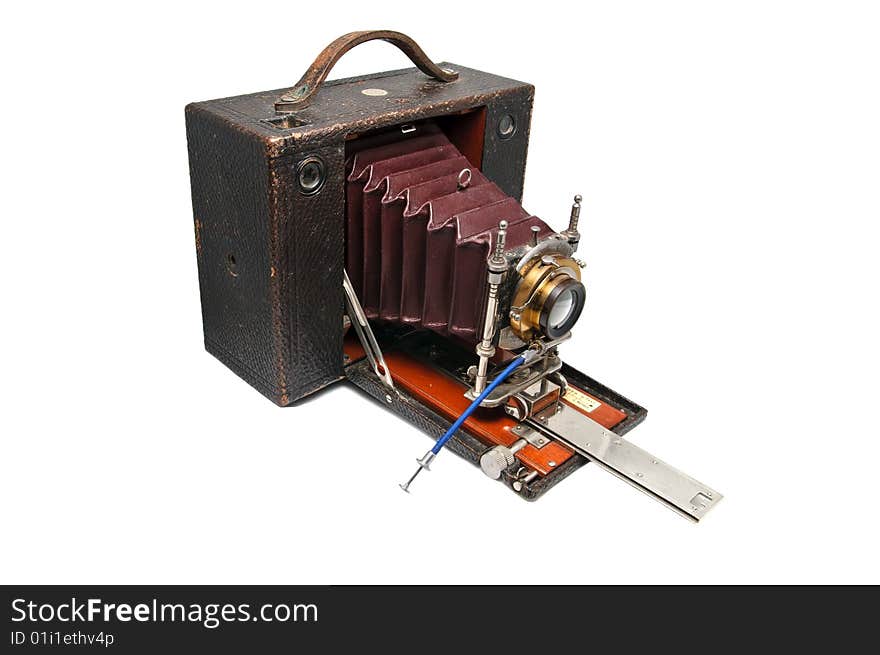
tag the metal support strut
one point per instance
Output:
(571, 233)
(365, 332)
(497, 267)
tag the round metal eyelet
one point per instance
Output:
(506, 126)
(310, 175)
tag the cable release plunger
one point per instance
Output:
(428, 457)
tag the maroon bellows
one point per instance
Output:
(417, 244)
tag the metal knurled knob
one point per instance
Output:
(497, 460)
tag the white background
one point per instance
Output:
(729, 157)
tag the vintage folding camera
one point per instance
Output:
(370, 229)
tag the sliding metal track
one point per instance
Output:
(649, 474)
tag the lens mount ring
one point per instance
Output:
(543, 282)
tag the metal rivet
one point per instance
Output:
(295, 94)
(375, 92)
(551, 463)
(388, 398)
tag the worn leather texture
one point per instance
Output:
(271, 258)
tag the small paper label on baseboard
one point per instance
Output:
(581, 400)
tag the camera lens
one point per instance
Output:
(562, 308)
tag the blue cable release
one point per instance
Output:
(470, 410)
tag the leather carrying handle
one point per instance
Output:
(304, 91)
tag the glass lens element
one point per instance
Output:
(561, 309)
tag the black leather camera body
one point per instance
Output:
(370, 229)
(270, 250)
